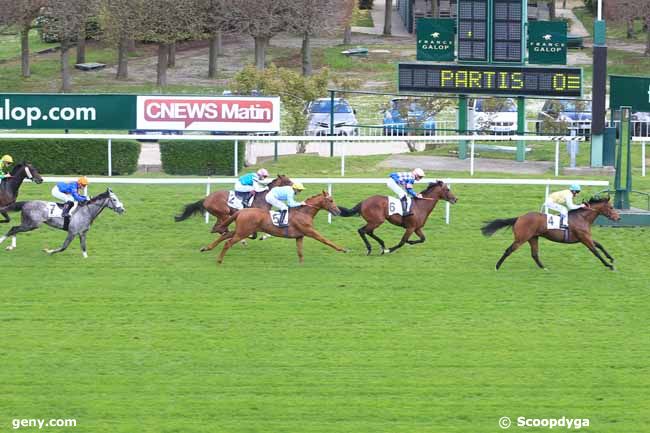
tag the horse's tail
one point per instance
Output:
(345, 212)
(189, 210)
(225, 223)
(493, 226)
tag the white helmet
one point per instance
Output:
(262, 172)
(418, 172)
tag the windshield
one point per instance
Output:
(577, 106)
(324, 107)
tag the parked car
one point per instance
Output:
(640, 124)
(408, 116)
(564, 116)
(319, 116)
(494, 116)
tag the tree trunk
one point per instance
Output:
(388, 15)
(123, 59)
(435, 10)
(306, 55)
(163, 50)
(24, 50)
(563, 4)
(347, 35)
(212, 56)
(171, 56)
(131, 45)
(219, 44)
(260, 52)
(630, 27)
(66, 85)
(551, 9)
(81, 46)
(647, 44)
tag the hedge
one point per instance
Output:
(201, 157)
(55, 156)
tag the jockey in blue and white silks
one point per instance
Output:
(401, 183)
(68, 193)
(283, 197)
(252, 183)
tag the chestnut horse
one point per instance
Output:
(375, 211)
(301, 219)
(217, 203)
(529, 227)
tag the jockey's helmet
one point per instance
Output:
(298, 186)
(7, 159)
(83, 181)
(575, 188)
(418, 172)
(262, 172)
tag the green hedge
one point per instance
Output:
(54, 156)
(203, 158)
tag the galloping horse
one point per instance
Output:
(10, 186)
(529, 227)
(217, 203)
(34, 213)
(375, 211)
(301, 221)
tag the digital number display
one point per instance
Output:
(506, 34)
(472, 30)
(490, 80)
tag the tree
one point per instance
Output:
(629, 10)
(261, 19)
(21, 13)
(122, 24)
(388, 18)
(65, 19)
(310, 18)
(167, 22)
(217, 19)
(346, 12)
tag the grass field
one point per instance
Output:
(149, 335)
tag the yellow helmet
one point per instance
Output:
(83, 181)
(298, 186)
(7, 159)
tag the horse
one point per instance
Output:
(217, 203)
(10, 185)
(529, 227)
(251, 220)
(34, 213)
(374, 210)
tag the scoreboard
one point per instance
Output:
(473, 30)
(499, 80)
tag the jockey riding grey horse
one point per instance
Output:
(35, 213)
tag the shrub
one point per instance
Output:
(201, 157)
(58, 156)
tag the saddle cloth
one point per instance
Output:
(54, 210)
(552, 222)
(235, 202)
(395, 205)
(275, 218)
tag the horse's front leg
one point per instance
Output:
(312, 233)
(589, 243)
(602, 248)
(6, 216)
(217, 241)
(421, 237)
(407, 234)
(63, 247)
(82, 241)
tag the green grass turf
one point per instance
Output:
(149, 335)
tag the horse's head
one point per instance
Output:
(603, 206)
(324, 201)
(26, 170)
(439, 190)
(281, 180)
(114, 202)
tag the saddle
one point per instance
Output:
(395, 205)
(240, 200)
(275, 218)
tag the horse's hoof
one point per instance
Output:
(244, 243)
(386, 251)
(10, 248)
(368, 252)
(546, 269)
(85, 255)
(612, 268)
(345, 251)
(46, 251)
(203, 249)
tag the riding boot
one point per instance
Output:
(283, 214)
(405, 207)
(563, 222)
(66, 214)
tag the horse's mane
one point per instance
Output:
(98, 197)
(593, 200)
(18, 167)
(432, 185)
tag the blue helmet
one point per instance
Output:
(575, 187)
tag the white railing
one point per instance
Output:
(547, 183)
(340, 140)
(643, 141)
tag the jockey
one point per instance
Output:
(402, 185)
(69, 194)
(282, 198)
(562, 202)
(251, 183)
(5, 166)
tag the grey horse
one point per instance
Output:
(35, 213)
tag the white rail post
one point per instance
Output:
(207, 193)
(546, 193)
(447, 208)
(342, 144)
(235, 159)
(643, 158)
(329, 215)
(557, 158)
(110, 157)
(471, 158)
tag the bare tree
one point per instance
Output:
(388, 18)
(122, 24)
(21, 13)
(217, 19)
(346, 13)
(65, 18)
(167, 22)
(629, 10)
(261, 19)
(310, 18)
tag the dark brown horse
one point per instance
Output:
(301, 220)
(217, 203)
(375, 211)
(529, 227)
(10, 186)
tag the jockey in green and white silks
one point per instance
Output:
(5, 166)
(562, 202)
